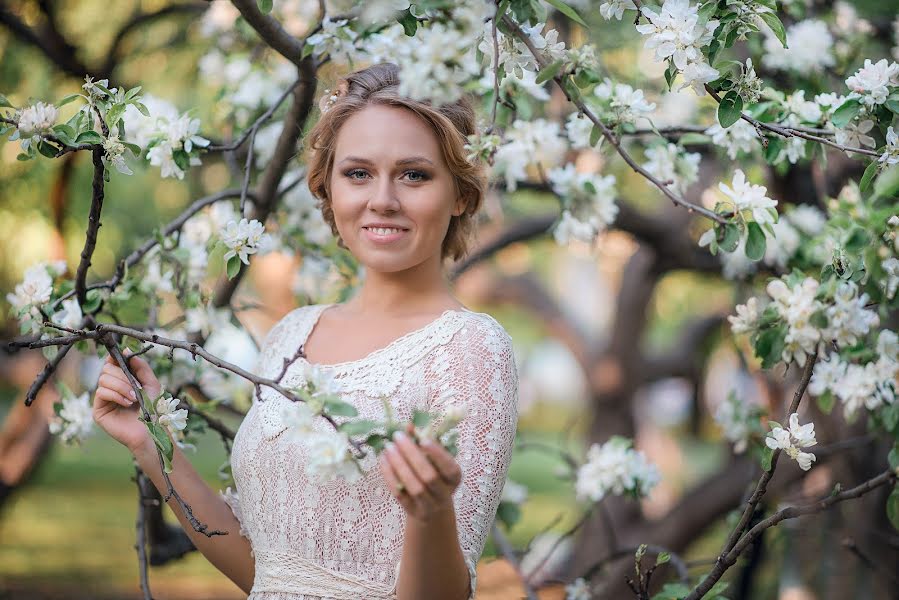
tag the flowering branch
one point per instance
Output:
(607, 133)
(788, 132)
(727, 560)
(141, 527)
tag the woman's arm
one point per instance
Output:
(230, 553)
(423, 479)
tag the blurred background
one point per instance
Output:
(625, 339)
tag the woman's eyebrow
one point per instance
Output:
(402, 161)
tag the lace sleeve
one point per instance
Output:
(485, 382)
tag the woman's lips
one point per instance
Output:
(379, 238)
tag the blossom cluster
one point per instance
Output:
(615, 468)
(588, 200)
(73, 419)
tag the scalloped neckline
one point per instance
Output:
(377, 351)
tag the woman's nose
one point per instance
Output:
(384, 197)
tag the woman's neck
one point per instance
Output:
(420, 289)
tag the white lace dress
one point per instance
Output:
(343, 541)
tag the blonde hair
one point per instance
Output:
(451, 123)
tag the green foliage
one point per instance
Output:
(730, 108)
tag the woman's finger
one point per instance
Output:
(108, 395)
(445, 462)
(122, 387)
(415, 488)
(421, 466)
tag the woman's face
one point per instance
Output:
(391, 191)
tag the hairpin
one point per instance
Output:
(329, 97)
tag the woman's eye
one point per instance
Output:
(417, 175)
(351, 174)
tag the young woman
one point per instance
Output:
(395, 186)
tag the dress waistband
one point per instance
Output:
(289, 573)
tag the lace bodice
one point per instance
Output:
(337, 540)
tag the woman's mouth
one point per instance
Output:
(384, 235)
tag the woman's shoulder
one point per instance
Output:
(482, 328)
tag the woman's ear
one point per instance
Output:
(460, 206)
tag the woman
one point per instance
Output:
(395, 187)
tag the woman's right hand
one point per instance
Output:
(116, 410)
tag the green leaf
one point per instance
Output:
(93, 301)
(232, 266)
(730, 108)
(767, 456)
(772, 21)
(67, 99)
(549, 71)
(421, 418)
(163, 442)
(893, 457)
(339, 408)
(856, 241)
(755, 242)
(845, 113)
(407, 20)
(890, 416)
(769, 345)
(360, 427)
(595, 135)
(772, 150)
(508, 513)
(670, 72)
(89, 137)
(4, 103)
(140, 106)
(893, 507)
(868, 176)
(672, 591)
(688, 139)
(825, 402)
(662, 558)
(46, 149)
(265, 6)
(731, 237)
(567, 11)
(114, 114)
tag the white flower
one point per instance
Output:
(580, 589)
(329, 457)
(670, 163)
(697, 74)
(115, 154)
(782, 246)
(847, 317)
(154, 280)
(797, 306)
(578, 127)
(888, 345)
(891, 269)
(34, 291)
(751, 197)
(298, 418)
(321, 382)
(890, 154)
(746, 318)
(206, 319)
(335, 39)
(244, 238)
(855, 134)
(626, 103)
(827, 375)
(807, 219)
(675, 32)
(589, 201)
(872, 81)
(739, 137)
(70, 316)
(616, 468)
(736, 417)
(36, 119)
(514, 492)
(809, 48)
(529, 142)
(170, 416)
(615, 8)
(75, 420)
(790, 441)
(859, 387)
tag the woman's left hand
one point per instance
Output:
(421, 477)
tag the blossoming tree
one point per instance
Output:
(787, 91)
